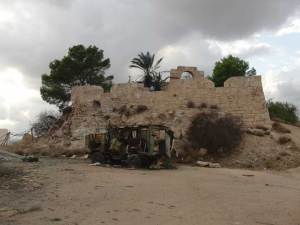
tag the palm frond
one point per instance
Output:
(157, 66)
(146, 63)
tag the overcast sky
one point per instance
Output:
(191, 32)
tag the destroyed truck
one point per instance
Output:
(132, 146)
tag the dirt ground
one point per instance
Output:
(70, 192)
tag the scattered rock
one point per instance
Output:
(86, 156)
(202, 164)
(262, 127)
(36, 185)
(214, 165)
(257, 132)
(73, 157)
(171, 113)
(96, 164)
(3, 158)
(208, 164)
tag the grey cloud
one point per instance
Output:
(40, 31)
(226, 20)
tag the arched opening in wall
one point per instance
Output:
(186, 76)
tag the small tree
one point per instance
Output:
(81, 66)
(285, 112)
(44, 122)
(158, 82)
(228, 67)
(146, 63)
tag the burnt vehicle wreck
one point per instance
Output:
(132, 146)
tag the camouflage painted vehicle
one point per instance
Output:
(132, 146)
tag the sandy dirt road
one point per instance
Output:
(71, 192)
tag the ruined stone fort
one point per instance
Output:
(93, 109)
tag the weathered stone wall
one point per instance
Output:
(93, 109)
(3, 133)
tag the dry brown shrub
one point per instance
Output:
(284, 140)
(123, 109)
(280, 128)
(96, 104)
(215, 107)
(141, 109)
(190, 104)
(213, 132)
(202, 106)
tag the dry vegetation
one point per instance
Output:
(190, 104)
(214, 132)
(42, 150)
(218, 139)
(132, 110)
(279, 128)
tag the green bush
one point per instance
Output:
(285, 112)
(230, 66)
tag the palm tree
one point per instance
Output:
(145, 62)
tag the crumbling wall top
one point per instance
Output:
(87, 93)
(241, 82)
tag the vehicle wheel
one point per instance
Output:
(135, 161)
(97, 157)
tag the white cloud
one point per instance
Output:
(242, 48)
(5, 16)
(283, 85)
(292, 26)
(18, 103)
(12, 88)
(6, 123)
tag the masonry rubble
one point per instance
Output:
(93, 109)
